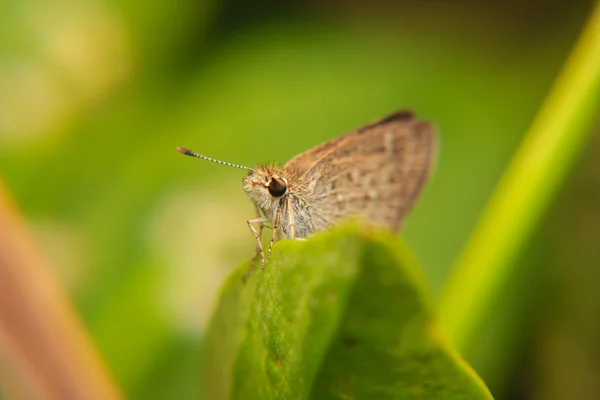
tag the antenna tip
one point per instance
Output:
(185, 151)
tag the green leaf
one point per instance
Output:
(342, 315)
(527, 188)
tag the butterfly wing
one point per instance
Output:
(376, 172)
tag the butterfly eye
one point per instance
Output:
(277, 187)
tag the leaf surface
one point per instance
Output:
(344, 315)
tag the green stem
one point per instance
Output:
(526, 189)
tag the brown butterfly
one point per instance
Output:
(375, 172)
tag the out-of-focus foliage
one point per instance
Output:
(95, 96)
(552, 146)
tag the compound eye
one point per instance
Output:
(277, 187)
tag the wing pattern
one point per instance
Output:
(375, 172)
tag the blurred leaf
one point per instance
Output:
(343, 315)
(164, 33)
(44, 351)
(526, 190)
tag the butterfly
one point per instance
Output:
(375, 173)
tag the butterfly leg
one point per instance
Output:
(291, 218)
(259, 247)
(275, 226)
(258, 250)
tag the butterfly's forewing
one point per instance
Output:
(376, 171)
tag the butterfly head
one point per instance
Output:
(265, 185)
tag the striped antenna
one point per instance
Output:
(191, 153)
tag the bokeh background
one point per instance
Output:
(95, 96)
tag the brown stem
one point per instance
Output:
(44, 349)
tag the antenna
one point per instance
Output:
(191, 153)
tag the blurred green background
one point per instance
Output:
(96, 95)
